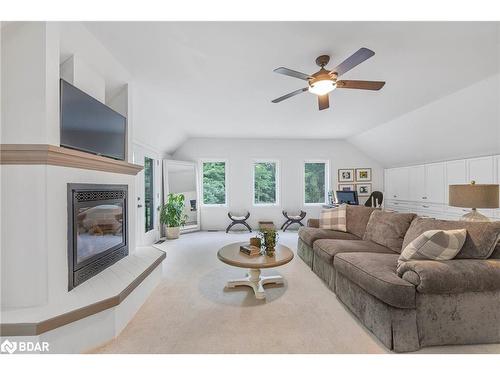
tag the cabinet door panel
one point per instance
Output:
(481, 170)
(456, 173)
(416, 186)
(400, 178)
(389, 184)
(434, 183)
(497, 160)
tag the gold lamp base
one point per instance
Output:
(474, 215)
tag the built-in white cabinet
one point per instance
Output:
(423, 189)
(426, 183)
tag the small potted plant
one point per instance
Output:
(172, 215)
(269, 239)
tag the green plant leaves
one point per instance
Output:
(172, 212)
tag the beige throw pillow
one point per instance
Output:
(333, 218)
(435, 245)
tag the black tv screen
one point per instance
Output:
(89, 125)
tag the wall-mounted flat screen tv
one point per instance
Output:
(89, 125)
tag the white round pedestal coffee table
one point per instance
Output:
(230, 254)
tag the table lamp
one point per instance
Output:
(474, 196)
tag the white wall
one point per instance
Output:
(241, 153)
(75, 71)
(30, 82)
(463, 124)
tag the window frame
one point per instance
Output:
(226, 180)
(327, 180)
(278, 183)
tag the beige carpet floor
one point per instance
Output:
(191, 311)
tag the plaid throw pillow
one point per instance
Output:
(435, 245)
(334, 219)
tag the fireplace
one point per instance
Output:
(97, 229)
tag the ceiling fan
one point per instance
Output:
(324, 81)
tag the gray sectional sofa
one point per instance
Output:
(425, 302)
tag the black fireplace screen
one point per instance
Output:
(97, 229)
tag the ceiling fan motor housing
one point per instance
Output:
(322, 75)
(322, 60)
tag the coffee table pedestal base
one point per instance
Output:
(255, 281)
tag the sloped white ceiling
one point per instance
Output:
(463, 124)
(215, 79)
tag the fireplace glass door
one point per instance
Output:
(99, 228)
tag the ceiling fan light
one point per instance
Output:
(322, 87)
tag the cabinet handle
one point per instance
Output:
(395, 196)
(424, 197)
(395, 203)
(424, 206)
(139, 205)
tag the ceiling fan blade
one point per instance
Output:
(292, 73)
(323, 102)
(357, 58)
(362, 85)
(289, 95)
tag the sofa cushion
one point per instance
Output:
(434, 244)
(482, 237)
(313, 223)
(309, 235)
(333, 218)
(376, 274)
(327, 249)
(356, 219)
(388, 228)
(452, 276)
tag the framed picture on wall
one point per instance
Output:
(346, 187)
(346, 175)
(363, 174)
(364, 189)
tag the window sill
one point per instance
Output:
(214, 205)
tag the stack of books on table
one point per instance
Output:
(250, 250)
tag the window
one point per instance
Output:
(148, 194)
(214, 182)
(265, 183)
(315, 182)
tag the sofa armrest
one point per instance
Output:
(313, 223)
(452, 276)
